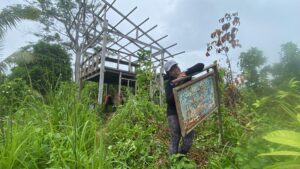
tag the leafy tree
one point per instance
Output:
(20, 57)
(250, 64)
(72, 22)
(50, 64)
(144, 74)
(289, 65)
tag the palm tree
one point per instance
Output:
(9, 17)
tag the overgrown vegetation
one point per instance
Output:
(57, 132)
(44, 124)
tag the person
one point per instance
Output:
(108, 102)
(173, 72)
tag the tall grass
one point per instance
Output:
(60, 132)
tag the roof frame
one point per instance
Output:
(115, 46)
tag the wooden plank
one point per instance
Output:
(108, 69)
(110, 59)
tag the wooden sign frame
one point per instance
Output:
(185, 126)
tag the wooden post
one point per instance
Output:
(135, 87)
(129, 66)
(220, 121)
(161, 79)
(119, 89)
(97, 59)
(102, 68)
(88, 67)
(118, 64)
(153, 84)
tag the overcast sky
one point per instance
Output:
(265, 24)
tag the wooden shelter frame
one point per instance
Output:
(93, 65)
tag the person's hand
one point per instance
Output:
(182, 74)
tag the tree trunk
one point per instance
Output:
(77, 66)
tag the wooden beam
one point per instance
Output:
(103, 56)
(142, 31)
(132, 40)
(146, 45)
(130, 31)
(125, 17)
(161, 85)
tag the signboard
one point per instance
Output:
(195, 101)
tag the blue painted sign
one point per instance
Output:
(195, 100)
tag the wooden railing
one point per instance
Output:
(91, 65)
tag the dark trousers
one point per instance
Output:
(176, 136)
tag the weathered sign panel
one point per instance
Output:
(195, 100)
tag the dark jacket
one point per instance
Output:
(171, 110)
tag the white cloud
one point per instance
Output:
(265, 24)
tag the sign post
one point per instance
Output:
(197, 99)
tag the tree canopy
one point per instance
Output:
(250, 64)
(289, 65)
(72, 23)
(49, 65)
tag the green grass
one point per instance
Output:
(61, 133)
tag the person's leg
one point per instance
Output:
(187, 143)
(175, 134)
(105, 108)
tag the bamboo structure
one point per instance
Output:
(116, 48)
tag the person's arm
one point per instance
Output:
(191, 71)
(169, 93)
(194, 69)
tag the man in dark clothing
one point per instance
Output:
(174, 72)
